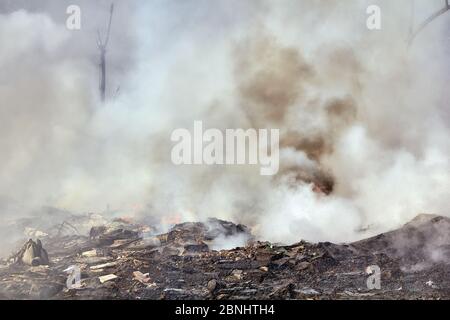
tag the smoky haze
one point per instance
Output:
(360, 112)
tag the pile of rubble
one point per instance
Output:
(122, 260)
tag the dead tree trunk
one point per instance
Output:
(102, 46)
(103, 75)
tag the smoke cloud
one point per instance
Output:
(363, 116)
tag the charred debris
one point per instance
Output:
(88, 257)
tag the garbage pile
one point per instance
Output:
(31, 254)
(125, 260)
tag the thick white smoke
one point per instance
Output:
(359, 111)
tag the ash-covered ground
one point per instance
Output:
(122, 259)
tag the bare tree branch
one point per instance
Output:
(102, 45)
(109, 25)
(99, 40)
(424, 24)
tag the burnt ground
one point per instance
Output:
(180, 264)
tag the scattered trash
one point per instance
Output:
(303, 265)
(237, 274)
(431, 284)
(107, 278)
(32, 254)
(357, 294)
(307, 292)
(180, 264)
(212, 285)
(89, 254)
(104, 266)
(34, 233)
(141, 277)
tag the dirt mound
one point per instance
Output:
(420, 243)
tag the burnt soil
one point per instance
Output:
(180, 264)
